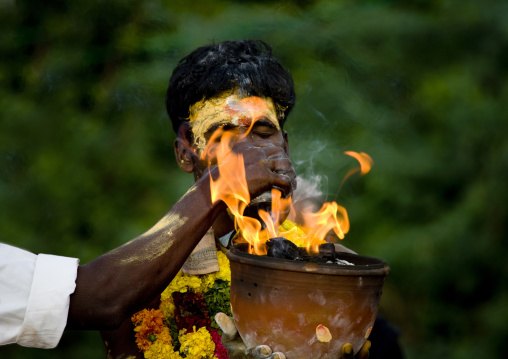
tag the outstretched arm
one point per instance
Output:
(128, 278)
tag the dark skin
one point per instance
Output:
(108, 292)
(120, 342)
(262, 133)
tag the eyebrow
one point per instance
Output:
(214, 128)
(264, 121)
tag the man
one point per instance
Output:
(235, 88)
(115, 285)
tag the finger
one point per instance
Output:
(364, 351)
(259, 352)
(275, 152)
(347, 351)
(280, 165)
(227, 325)
(278, 355)
(266, 147)
(262, 143)
(284, 167)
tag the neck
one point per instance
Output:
(222, 225)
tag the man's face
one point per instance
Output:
(244, 119)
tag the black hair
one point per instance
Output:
(246, 66)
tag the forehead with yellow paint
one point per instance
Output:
(229, 109)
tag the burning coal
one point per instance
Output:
(280, 247)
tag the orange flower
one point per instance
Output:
(148, 324)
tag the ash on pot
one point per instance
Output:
(280, 247)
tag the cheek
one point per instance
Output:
(200, 168)
(209, 160)
(209, 157)
(278, 140)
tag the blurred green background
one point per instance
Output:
(86, 158)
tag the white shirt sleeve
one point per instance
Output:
(34, 296)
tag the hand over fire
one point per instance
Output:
(249, 169)
(237, 349)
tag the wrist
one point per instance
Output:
(204, 188)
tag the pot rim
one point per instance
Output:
(363, 265)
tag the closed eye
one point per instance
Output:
(215, 132)
(264, 128)
(263, 135)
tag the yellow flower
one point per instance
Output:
(207, 281)
(164, 337)
(224, 273)
(159, 350)
(293, 233)
(154, 338)
(167, 307)
(182, 283)
(224, 268)
(197, 283)
(197, 345)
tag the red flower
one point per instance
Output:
(220, 349)
(190, 310)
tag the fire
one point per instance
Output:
(365, 160)
(330, 217)
(231, 187)
(366, 164)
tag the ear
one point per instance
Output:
(286, 142)
(184, 154)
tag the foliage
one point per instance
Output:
(182, 326)
(217, 300)
(86, 158)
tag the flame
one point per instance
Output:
(280, 207)
(231, 187)
(366, 164)
(330, 217)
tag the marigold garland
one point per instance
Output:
(184, 325)
(149, 324)
(197, 344)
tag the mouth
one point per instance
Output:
(264, 202)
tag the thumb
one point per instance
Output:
(364, 351)
(227, 325)
(347, 351)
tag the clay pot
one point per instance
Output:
(289, 305)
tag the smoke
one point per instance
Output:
(308, 188)
(309, 183)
